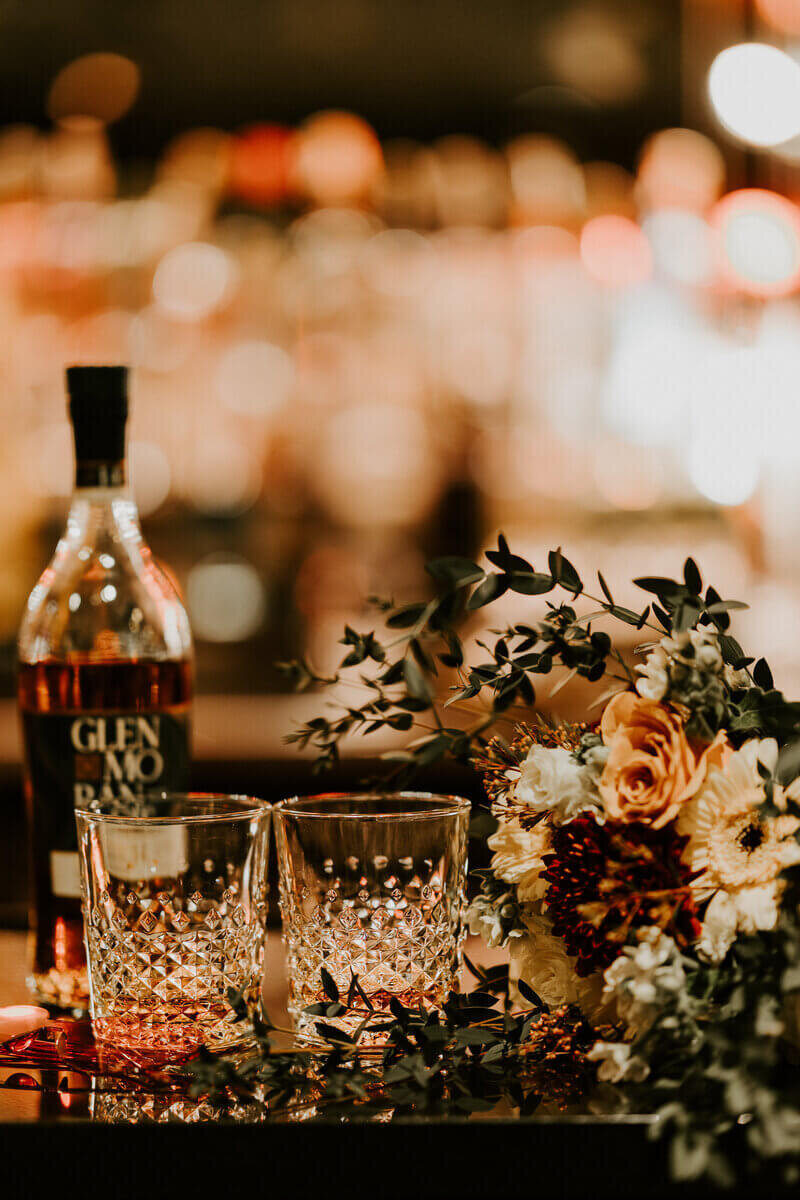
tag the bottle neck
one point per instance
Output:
(102, 504)
(100, 474)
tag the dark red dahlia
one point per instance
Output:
(604, 880)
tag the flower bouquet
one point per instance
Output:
(644, 871)
(609, 834)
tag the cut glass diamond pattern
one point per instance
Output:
(391, 951)
(149, 971)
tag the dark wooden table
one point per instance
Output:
(53, 1141)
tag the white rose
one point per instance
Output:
(552, 780)
(541, 961)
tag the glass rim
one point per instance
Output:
(228, 806)
(440, 805)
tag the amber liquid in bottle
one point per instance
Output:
(104, 680)
(81, 690)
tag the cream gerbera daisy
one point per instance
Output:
(738, 855)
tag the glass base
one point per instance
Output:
(121, 1042)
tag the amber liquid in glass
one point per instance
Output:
(81, 726)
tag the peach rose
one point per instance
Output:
(652, 768)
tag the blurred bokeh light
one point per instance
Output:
(356, 345)
(755, 91)
(99, 86)
(759, 236)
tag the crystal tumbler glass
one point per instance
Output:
(174, 904)
(373, 886)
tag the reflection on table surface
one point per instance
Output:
(57, 1077)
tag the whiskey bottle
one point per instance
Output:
(104, 678)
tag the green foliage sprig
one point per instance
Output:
(398, 673)
(469, 1056)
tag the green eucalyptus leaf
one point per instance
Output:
(627, 615)
(328, 984)
(418, 686)
(563, 571)
(730, 649)
(405, 617)
(492, 587)
(692, 577)
(605, 588)
(332, 1033)
(530, 583)
(667, 590)
(454, 570)
(762, 676)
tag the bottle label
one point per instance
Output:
(116, 757)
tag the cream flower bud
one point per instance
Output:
(709, 657)
(654, 685)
